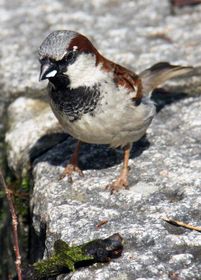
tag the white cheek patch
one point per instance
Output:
(84, 72)
(51, 74)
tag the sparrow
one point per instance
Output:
(96, 100)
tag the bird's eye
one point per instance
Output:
(70, 56)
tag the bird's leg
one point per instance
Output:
(122, 180)
(73, 165)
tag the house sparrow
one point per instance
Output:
(96, 100)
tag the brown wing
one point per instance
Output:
(123, 77)
(128, 79)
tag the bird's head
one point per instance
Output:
(68, 54)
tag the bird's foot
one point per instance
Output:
(69, 170)
(120, 183)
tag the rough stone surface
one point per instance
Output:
(164, 181)
(31, 123)
(164, 167)
(142, 34)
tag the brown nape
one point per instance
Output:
(122, 76)
(83, 44)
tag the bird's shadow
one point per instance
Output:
(162, 98)
(91, 156)
(57, 148)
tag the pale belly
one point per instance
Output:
(115, 125)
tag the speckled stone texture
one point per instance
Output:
(164, 181)
(134, 33)
(165, 166)
(32, 130)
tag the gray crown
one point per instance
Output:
(56, 43)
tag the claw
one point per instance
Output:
(69, 170)
(117, 185)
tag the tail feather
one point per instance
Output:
(159, 73)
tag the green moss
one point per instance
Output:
(64, 257)
(22, 189)
(48, 267)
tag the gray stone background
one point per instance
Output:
(165, 166)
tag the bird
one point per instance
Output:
(96, 100)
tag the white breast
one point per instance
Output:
(116, 121)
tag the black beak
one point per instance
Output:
(47, 71)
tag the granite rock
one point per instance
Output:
(164, 182)
(164, 167)
(30, 123)
(141, 35)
